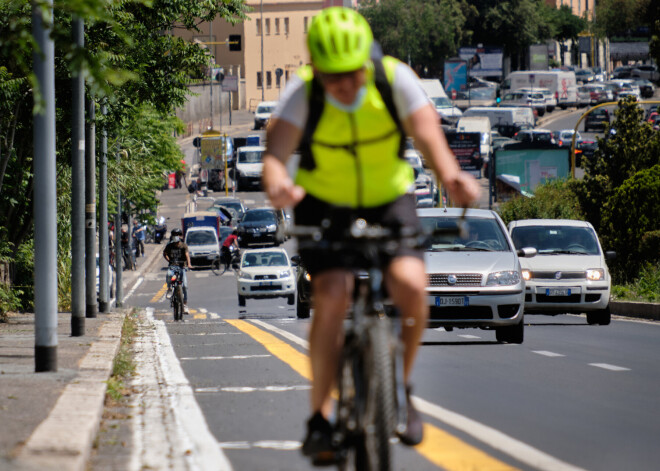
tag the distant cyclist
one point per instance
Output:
(230, 247)
(176, 253)
(349, 113)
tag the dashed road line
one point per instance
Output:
(546, 353)
(158, 297)
(609, 367)
(285, 445)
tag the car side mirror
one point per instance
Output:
(527, 252)
(610, 255)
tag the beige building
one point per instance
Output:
(272, 40)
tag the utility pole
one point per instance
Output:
(263, 79)
(78, 191)
(45, 208)
(119, 288)
(90, 211)
(211, 74)
(104, 296)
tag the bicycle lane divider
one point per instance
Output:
(158, 296)
(438, 447)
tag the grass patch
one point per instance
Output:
(123, 366)
(645, 288)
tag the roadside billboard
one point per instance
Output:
(455, 76)
(483, 61)
(533, 166)
(467, 149)
(211, 150)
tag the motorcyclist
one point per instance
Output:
(349, 112)
(176, 253)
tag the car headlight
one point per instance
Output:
(503, 278)
(284, 274)
(271, 228)
(595, 274)
(243, 274)
(527, 275)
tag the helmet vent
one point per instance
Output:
(334, 45)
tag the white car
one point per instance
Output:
(262, 113)
(248, 167)
(474, 279)
(569, 274)
(425, 187)
(266, 273)
(517, 98)
(550, 98)
(203, 244)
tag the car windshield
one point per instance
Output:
(200, 238)
(250, 157)
(480, 234)
(482, 93)
(551, 240)
(265, 109)
(265, 259)
(441, 102)
(235, 205)
(267, 217)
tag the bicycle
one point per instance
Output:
(222, 263)
(371, 405)
(176, 282)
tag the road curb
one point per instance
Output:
(63, 441)
(641, 310)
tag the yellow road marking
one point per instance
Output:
(439, 447)
(159, 294)
(282, 350)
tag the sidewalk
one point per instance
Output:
(50, 420)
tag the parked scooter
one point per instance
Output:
(160, 230)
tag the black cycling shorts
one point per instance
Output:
(312, 211)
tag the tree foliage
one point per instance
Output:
(419, 31)
(622, 17)
(132, 63)
(618, 174)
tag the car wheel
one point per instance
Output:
(241, 300)
(511, 333)
(601, 317)
(291, 299)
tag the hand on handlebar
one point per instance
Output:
(284, 193)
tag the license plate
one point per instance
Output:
(265, 283)
(452, 301)
(257, 234)
(558, 292)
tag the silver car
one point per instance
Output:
(474, 280)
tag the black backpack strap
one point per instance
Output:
(316, 105)
(385, 89)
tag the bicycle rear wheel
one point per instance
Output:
(218, 267)
(178, 303)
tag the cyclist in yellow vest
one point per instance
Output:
(350, 129)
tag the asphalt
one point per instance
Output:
(49, 420)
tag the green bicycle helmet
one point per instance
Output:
(339, 40)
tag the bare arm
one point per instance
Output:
(282, 140)
(423, 126)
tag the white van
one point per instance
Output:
(433, 89)
(248, 167)
(560, 82)
(480, 124)
(203, 244)
(506, 120)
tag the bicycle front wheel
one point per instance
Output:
(218, 267)
(380, 409)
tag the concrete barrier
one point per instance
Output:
(636, 309)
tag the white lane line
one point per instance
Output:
(468, 336)
(202, 310)
(234, 357)
(213, 315)
(287, 335)
(189, 431)
(206, 333)
(201, 275)
(135, 286)
(546, 353)
(245, 389)
(609, 367)
(272, 444)
(520, 451)
(509, 445)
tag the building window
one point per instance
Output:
(277, 80)
(277, 26)
(259, 81)
(267, 26)
(269, 79)
(305, 25)
(258, 27)
(286, 25)
(286, 75)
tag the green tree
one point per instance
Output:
(621, 17)
(566, 24)
(422, 32)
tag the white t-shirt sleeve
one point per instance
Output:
(293, 106)
(407, 91)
